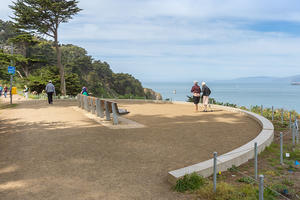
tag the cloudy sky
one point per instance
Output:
(183, 40)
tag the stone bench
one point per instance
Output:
(100, 107)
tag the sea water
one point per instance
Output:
(279, 95)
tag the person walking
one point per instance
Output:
(205, 93)
(26, 90)
(1, 89)
(5, 91)
(84, 91)
(50, 89)
(196, 90)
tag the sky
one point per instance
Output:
(185, 40)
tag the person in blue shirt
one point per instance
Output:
(1, 88)
(84, 91)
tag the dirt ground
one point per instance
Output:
(54, 152)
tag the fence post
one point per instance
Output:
(281, 148)
(107, 114)
(261, 110)
(297, 131)
(290, 125)
(215, 171)
(272, 113)
(281, 116)
(115, 114)
(261, 187)
(293, 134)
(255, 160)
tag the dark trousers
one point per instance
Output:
(50, 94)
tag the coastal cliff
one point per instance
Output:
(151, 94)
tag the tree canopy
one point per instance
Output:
(37, 55)
(44, 17)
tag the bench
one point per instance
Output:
(100, 107)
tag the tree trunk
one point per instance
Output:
(61, 69)
(25, 70)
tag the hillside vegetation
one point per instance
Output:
(35, 62)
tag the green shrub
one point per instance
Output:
(246, 180)
(189, 182)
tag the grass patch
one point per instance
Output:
(287, 182)
(295, 155)
(189, 182)
(227, 191)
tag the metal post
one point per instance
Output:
(281, 148)
(115, 114)
(293, 134)
(11, 76)
(281, 116)
(255, 160)
(272, 113)
(215, 171)
(290, 125)
(261, 110)
(297, 136)
(261, 187)
(107, 114)
(296, 131)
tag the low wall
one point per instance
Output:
(235, 157)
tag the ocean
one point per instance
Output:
(279, 95)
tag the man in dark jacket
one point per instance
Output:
(205, 93)
(50, 89)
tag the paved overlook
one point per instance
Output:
(56, 152)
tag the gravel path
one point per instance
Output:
(54, 152)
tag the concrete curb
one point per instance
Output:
(235, 157)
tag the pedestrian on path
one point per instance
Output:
(196, 90)
(50, 89)
(205, 93)
(84, 91)
(1, 89)
(5, 91)
(26, 90)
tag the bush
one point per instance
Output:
(246, 180)
(189, 182)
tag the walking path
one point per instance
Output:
(55, 152)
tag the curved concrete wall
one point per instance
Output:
(235, 157)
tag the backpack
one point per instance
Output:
(208, 91)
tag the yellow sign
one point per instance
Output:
(13, 90)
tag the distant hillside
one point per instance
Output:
(267, 79)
